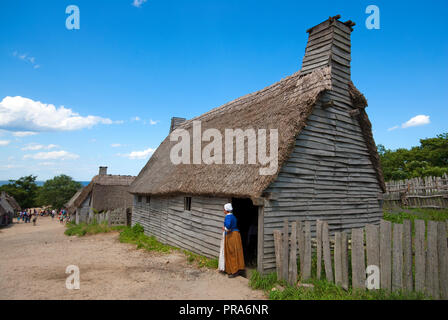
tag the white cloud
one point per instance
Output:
(139, 154)
(135, 119)
(47, 164)
(138, 3)
(24, 133)
(416, 121)
(34, 147)
(10, 166)
(23, 114)
(115, 145)
(25, 57)
(393, 128)
(152, 122)
(419, 120)
(4, 143)
(52, 155)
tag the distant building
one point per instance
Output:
(106, 197)
(8, 208)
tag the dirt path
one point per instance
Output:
(33, 260)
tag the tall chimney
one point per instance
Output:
(103, 171)
(175, 122)
(329, 45)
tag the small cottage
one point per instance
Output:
(8, 208)
(106, 197)
(328, 166)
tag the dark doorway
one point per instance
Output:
(247, 218)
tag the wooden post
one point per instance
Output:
(319, 248)
(385, 255)
(407, 256)
(344, 257)
(260, 240)
(397, 257)
(443, 259)
(285, 250)
(338, 258)
(358, 259)
(373, 245)
(420, 255)
(327, 252)
(432, 261)
(292, 279)
(307, 250)
(278, 253)
(301, 245)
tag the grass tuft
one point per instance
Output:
(322, 290)
(83, 229)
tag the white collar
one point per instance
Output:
(229, 213)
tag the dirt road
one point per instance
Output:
(33, 260)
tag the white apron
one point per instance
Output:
(222, 261)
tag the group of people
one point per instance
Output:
(29, 215)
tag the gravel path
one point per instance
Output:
(33, 260)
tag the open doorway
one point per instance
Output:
(247, 217)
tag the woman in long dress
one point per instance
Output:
(233, 248)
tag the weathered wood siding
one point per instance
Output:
(82, 213)
(329, 176)
(198, 230)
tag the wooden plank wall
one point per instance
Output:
(198, 230)
(329, 176)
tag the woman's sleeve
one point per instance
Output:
(227, 222)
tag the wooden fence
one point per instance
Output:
(427, 192)
(401, 258)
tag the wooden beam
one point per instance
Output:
(260, 240)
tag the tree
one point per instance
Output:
(428, 159)
(24, 190)
(57, 192)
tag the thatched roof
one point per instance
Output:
(6, 207)
(11, 201)
(284, 105)
(70, 205)
(108, 192)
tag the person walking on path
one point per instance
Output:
(34, 218)
(233, 248)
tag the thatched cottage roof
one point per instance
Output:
(11, 201)
(6, 207)
(284, 105)
(70, 205)
(107, 192)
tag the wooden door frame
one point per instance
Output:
(260, 240)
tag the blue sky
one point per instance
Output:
(130, 68)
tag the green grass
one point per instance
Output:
(398, 215)
(322, 290)
(83, 229)
(201, 261)
(135, 235)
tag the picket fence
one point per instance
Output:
(400, 259)
(426, 192)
